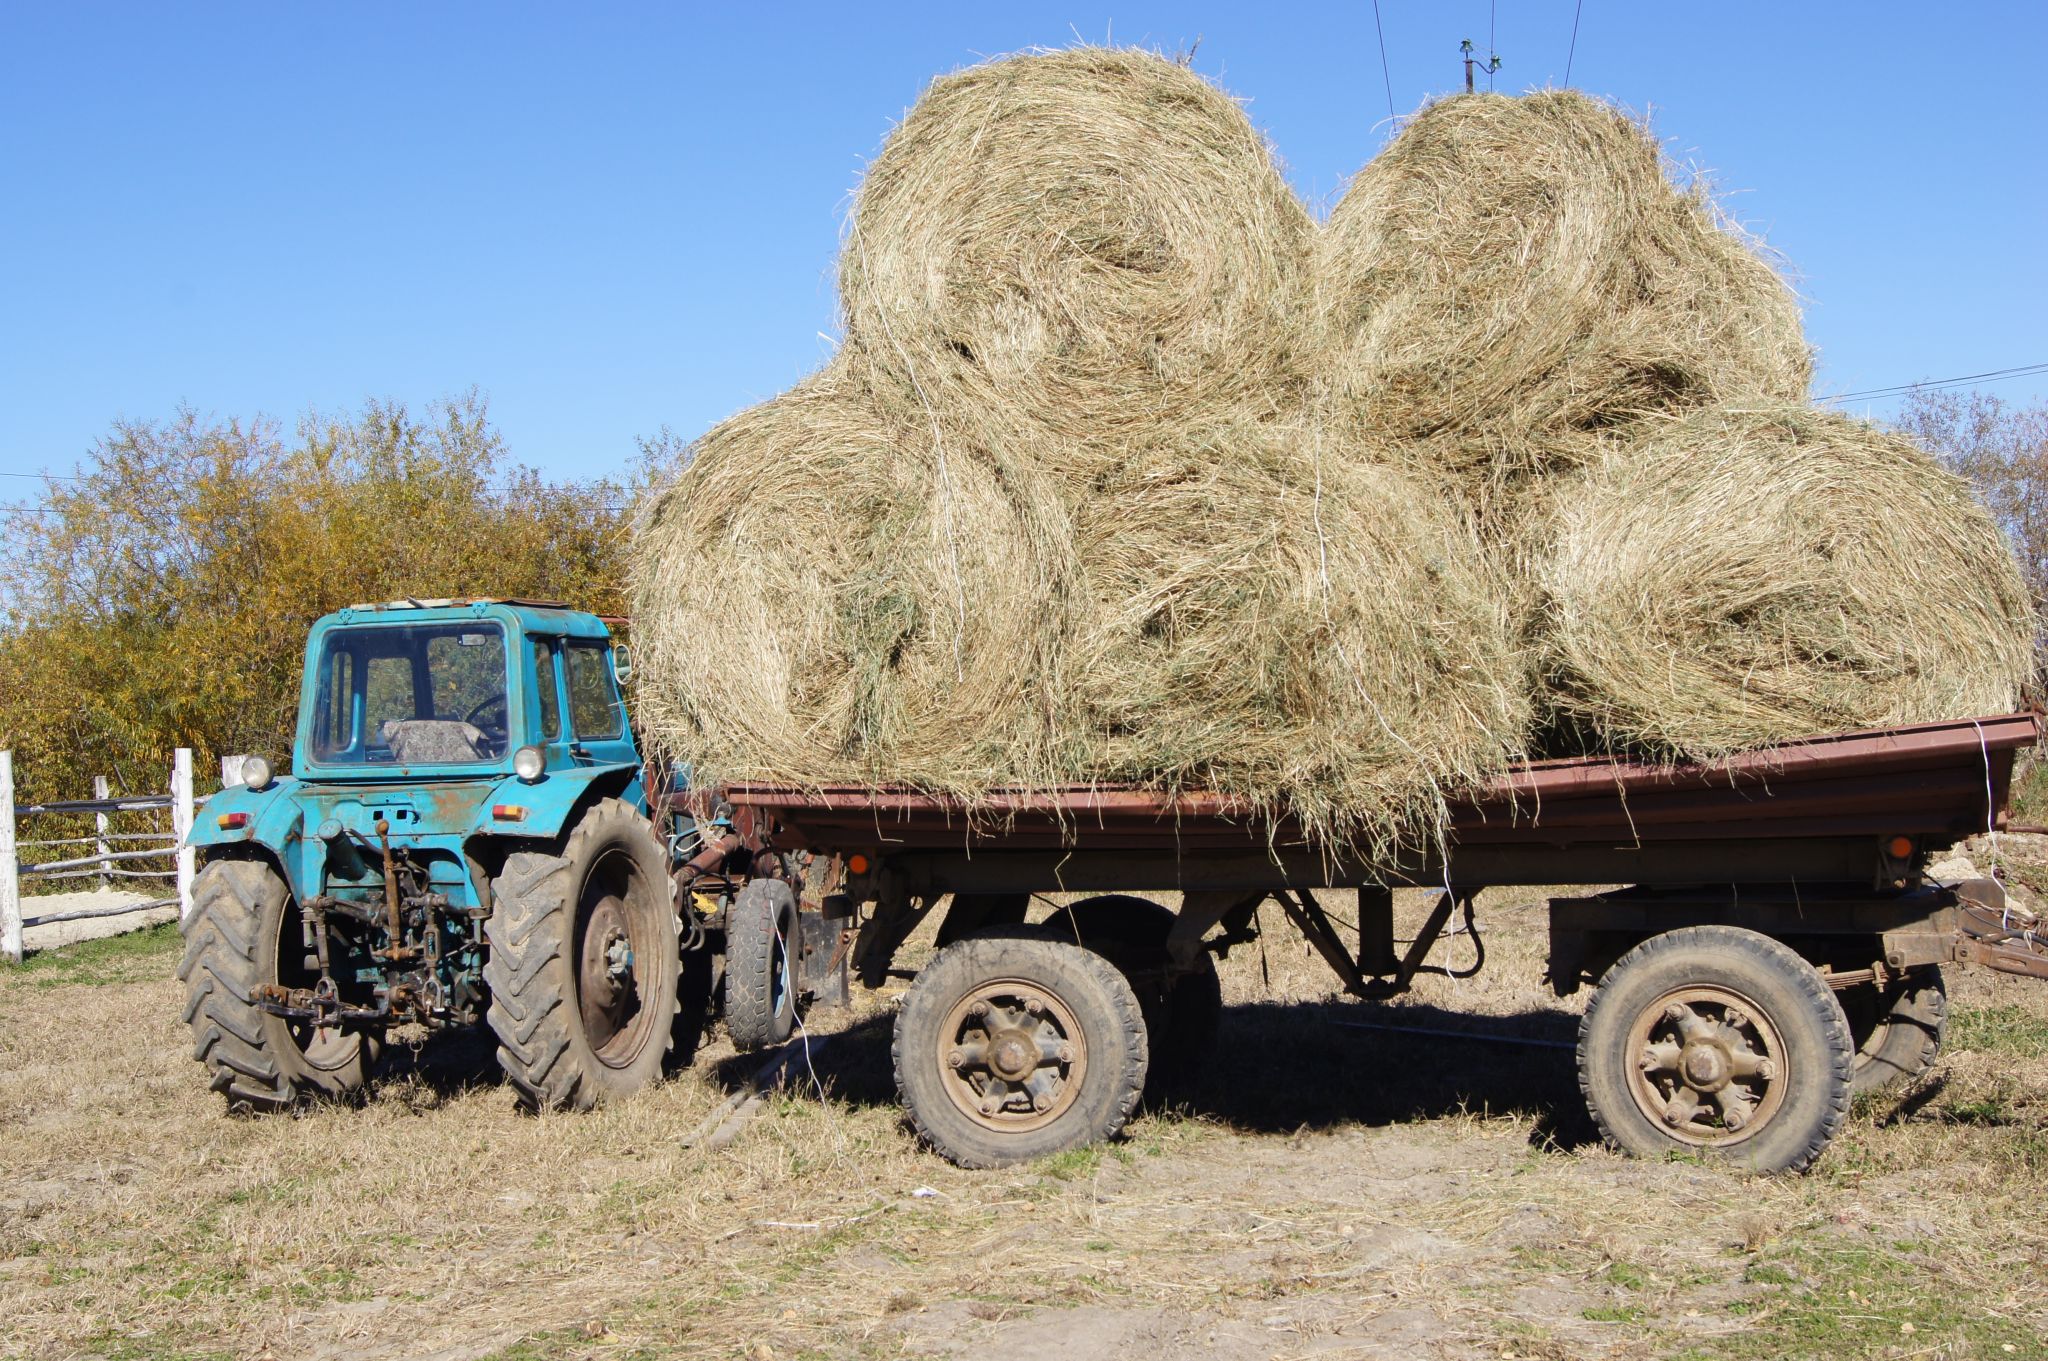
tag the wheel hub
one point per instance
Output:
(605, 982)
(1709, 1065)
(1012, 1056)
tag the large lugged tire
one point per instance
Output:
(760, 976)
(244, 933)
(583, 965)
(1898, 1030)
(1014, 1045)
(1181, 1016)
(1716, 1041)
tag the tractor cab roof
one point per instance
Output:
(531, 616)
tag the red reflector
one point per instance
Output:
(1901, 847)
(856, 863)
(233, 822)
(508, 812)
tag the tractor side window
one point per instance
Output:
(593, 703)
(336, 730)
(550, 695)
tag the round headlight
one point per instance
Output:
(255, 772)
(528, 763)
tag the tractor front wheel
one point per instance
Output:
(584, 963)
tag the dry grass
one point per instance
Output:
(1737, 578)
(1323, 1190)
(1511, 271)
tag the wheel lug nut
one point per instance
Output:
(1672, 1116)
(1735, 1119)
(988, 1107)
(1034, 1005)
(1674, 1012)
(1767, 1070)
(1648, 1059)
(977, 1008)
(1066, 1053)
(1042, 1102)
(957, 1059)
(1737, 1019)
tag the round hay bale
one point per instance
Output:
(822, 595)
(1301, 626)
(1095, 240)
(1737, 578)
(1513, 269)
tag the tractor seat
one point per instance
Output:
(430, 741)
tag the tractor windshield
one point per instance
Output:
(411, 694)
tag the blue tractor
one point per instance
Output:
(469, 834)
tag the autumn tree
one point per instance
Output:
(160, 595)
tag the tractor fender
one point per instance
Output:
(269, 817)
(552, 803)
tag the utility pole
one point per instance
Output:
(1492, 63)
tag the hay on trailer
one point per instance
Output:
(1095, 240)
(1736, 578)
(1294, 623)
(825, 595)
(1512, 270)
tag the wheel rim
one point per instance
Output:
(1012, 1055)
(1706, 1066)
(613, 942)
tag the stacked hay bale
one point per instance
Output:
(1128, 473)
(1076, 294)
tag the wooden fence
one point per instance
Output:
(158, 856)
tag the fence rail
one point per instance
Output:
(106, 863)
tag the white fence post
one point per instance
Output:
(181, 826)
(10, 883)
(99, 834)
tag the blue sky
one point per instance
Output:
(610, 218)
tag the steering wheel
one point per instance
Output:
(475, 717)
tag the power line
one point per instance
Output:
(1492, 8)
(1573, 54)
(1385, 75)
(1936, 384)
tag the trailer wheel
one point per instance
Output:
(761, 946)
(1717, 1041)
(584, 962)
(1014, 1045)
(1181, 1016)
(244, 933)
(1898, 1030)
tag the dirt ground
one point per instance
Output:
(1328, 1187)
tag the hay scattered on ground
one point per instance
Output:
(827, 595)
(1095, 240)
(1737, 578)
(1513, 270)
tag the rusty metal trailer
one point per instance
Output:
(1762, 930)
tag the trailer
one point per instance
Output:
(1761, 932)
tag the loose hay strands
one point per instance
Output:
(1300, 626)
(1512, 270)
(825, 595)
(1094, 240)
(1734, 578)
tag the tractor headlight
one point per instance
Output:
(528, 763)
(256, 772)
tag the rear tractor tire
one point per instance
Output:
(1014, 1044)
(244, 933)
(1719, 1042)
(584, 963)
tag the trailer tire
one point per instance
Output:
(1181, 1016)
(242, 934)
(761, 946)
(576, 1023)
(1040, 1081)
(1717, 1041)
(1898, 1030)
